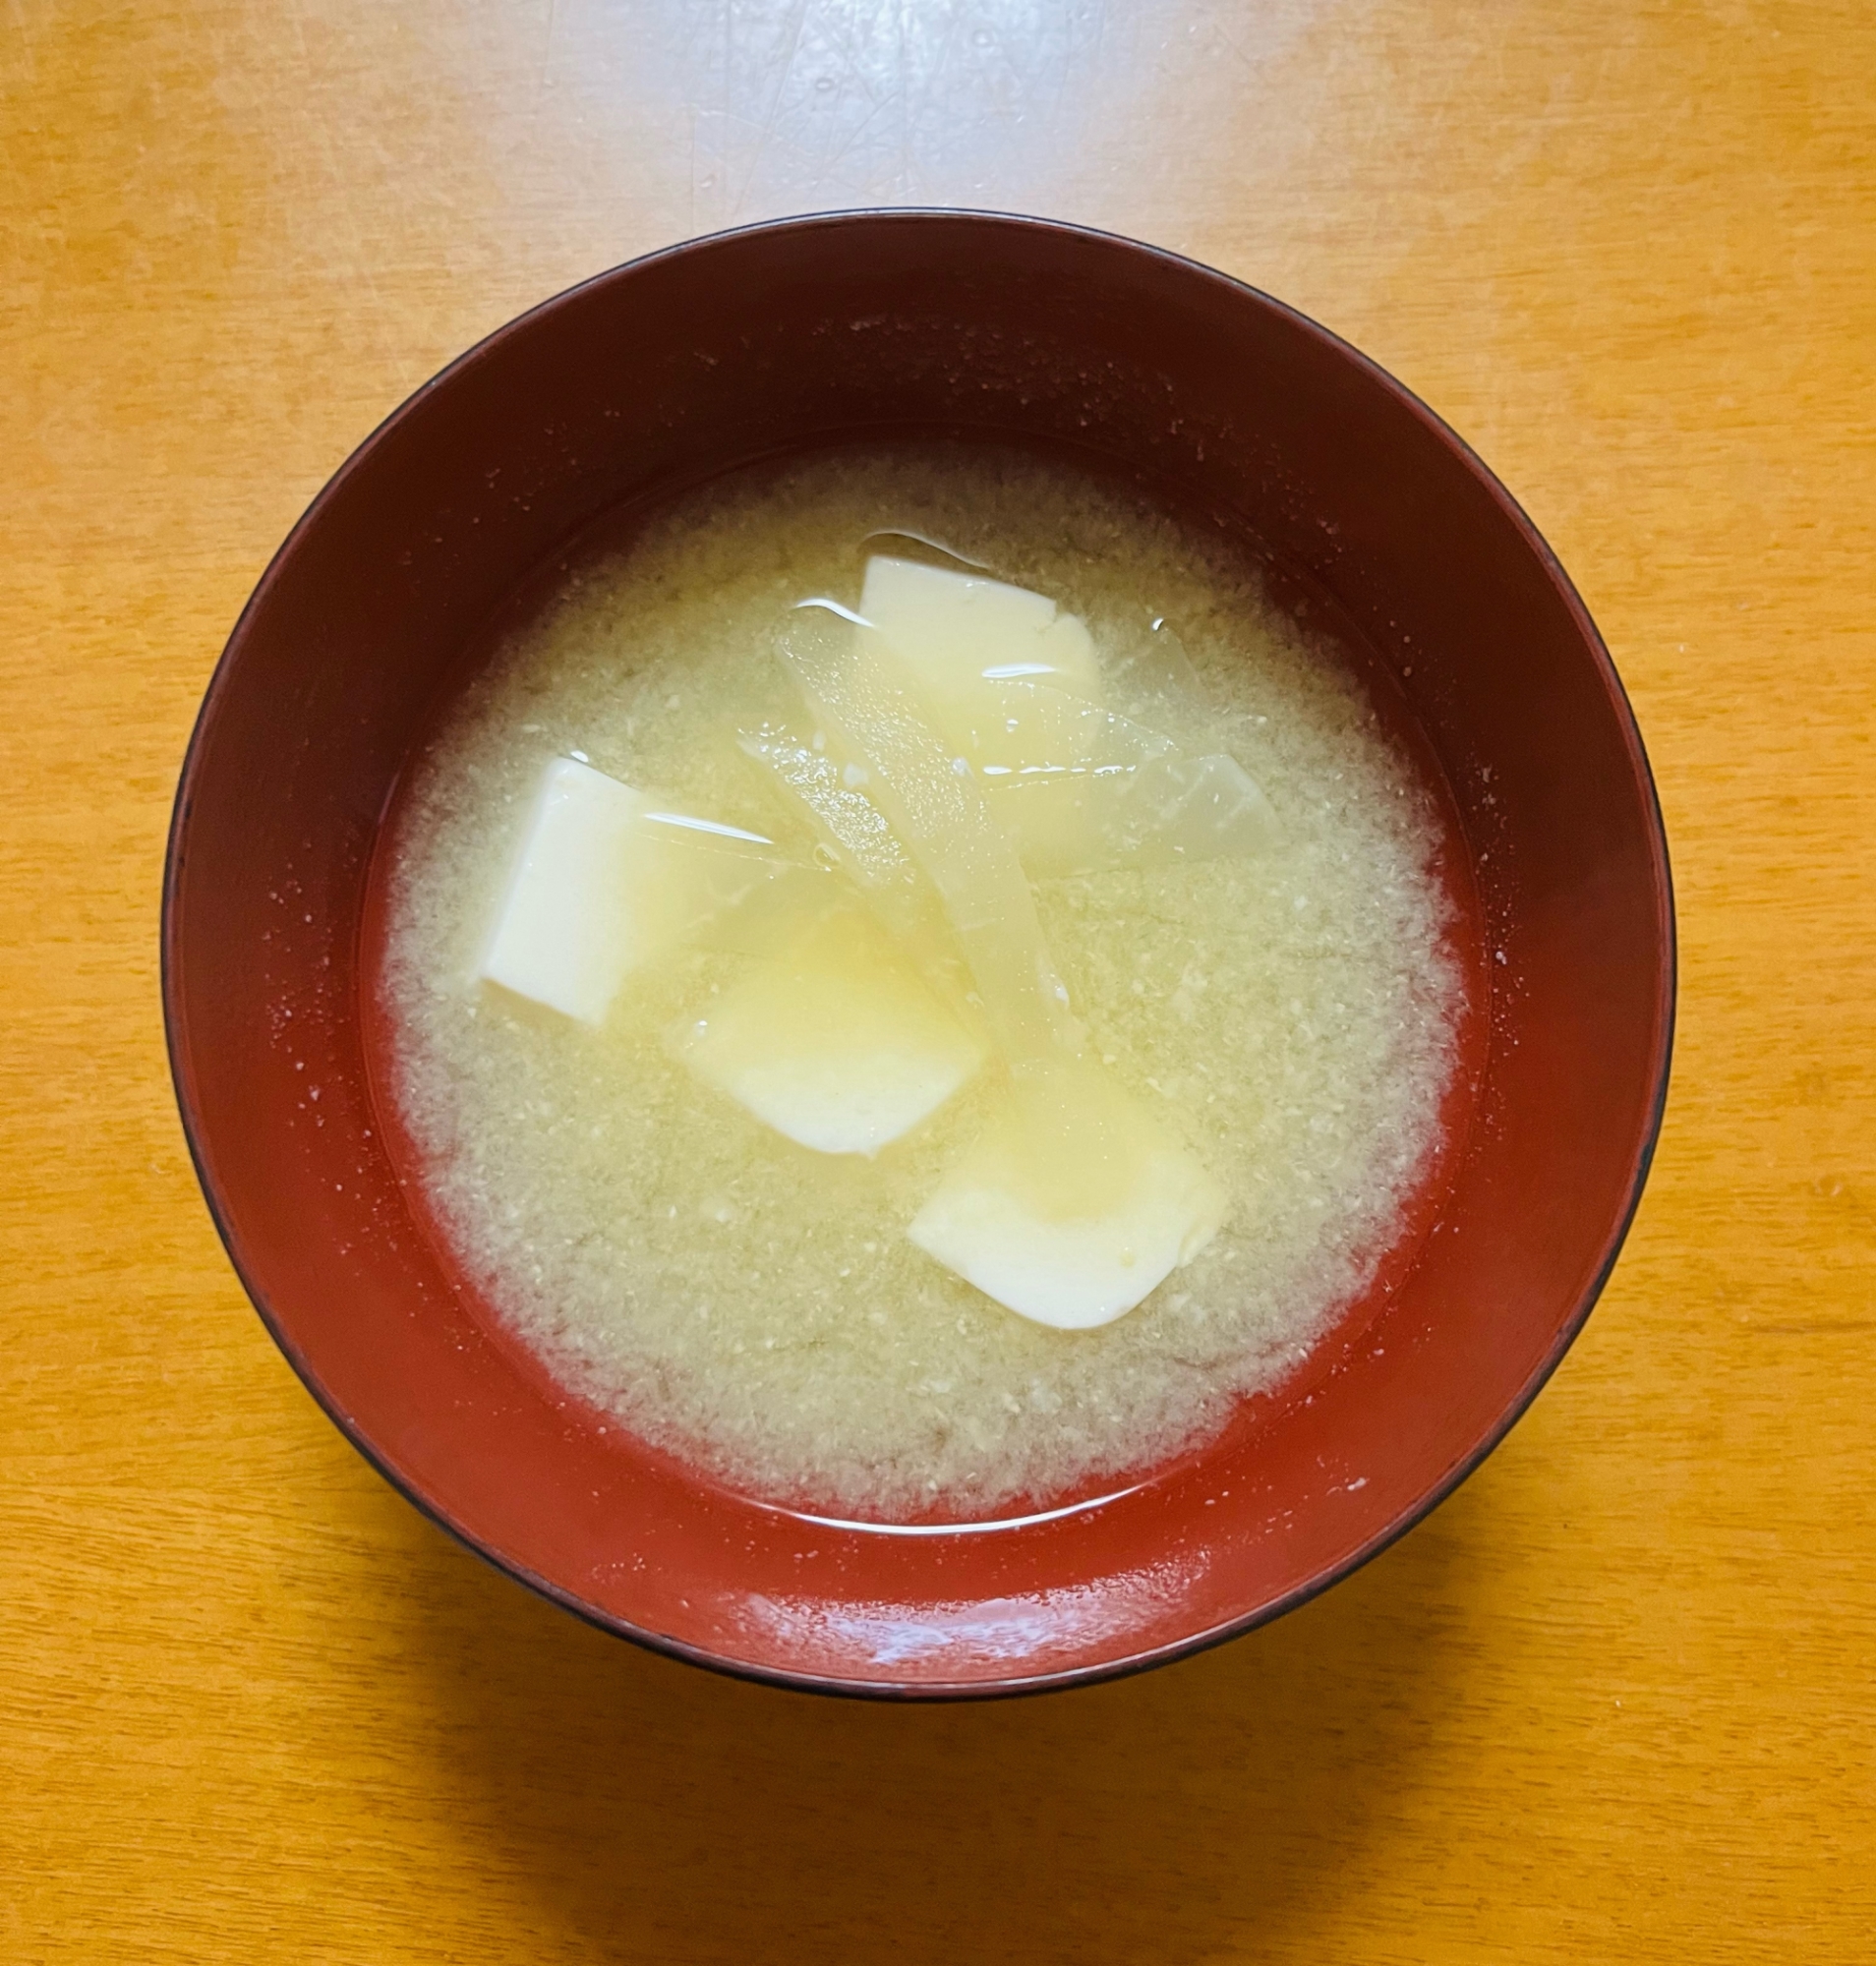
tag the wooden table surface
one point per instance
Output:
(1614, 1701)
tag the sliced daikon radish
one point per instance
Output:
(824, 790)
(857, 689)
(837, 1044)
(821, 784)
(605, 880)
(1187, 808)
(1074, 1205)
(755, 917)
(1151, 676)
(1060, 830)
(1157, 814)
(1028, 725)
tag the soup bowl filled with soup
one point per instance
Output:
(918, 954)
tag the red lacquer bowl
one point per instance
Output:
(641, 382)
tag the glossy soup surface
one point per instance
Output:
(1285, 1016)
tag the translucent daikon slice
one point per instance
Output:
(1151, 676)
(1074, 1204)
(604, 880)
(1157, 814)
(1026, 725)
(820, 780)
(856, 687)
(847, 821)
(754, 919)
(837, 1044)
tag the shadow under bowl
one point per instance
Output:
(788, 336)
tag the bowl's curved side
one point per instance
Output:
(784, 335)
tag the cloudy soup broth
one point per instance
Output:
(913, 986)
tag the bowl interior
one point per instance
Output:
(813, 331)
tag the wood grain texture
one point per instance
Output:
(1615, 1701)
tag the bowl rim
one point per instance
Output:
(1018, 1685)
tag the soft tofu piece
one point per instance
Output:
(960, 561)
(566, 934)
(605, 881)
(1074, 1204)
(855, 686)
(1157, 814)
(957, 629)
(839, 1044)
(1012, 683)
(975, 649)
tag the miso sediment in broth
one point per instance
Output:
(974, 1082)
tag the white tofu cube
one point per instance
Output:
(1001, 670)
(839, 1044)
(604, 880)
(565, 934)
(1074, 1205)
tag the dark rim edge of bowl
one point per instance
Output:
(1071, 1676)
